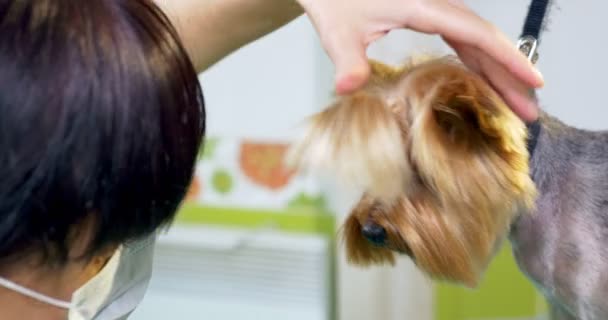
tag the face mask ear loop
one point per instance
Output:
(35, 295)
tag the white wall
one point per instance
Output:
(264, 90)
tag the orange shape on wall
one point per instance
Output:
(195, 189)
(263, 164)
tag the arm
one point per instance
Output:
(213, 29)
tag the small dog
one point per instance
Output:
(448, 172)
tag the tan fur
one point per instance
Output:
(441, 158)
(362, 125)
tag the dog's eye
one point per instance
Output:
(374, 233)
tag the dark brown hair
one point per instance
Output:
(102, 116)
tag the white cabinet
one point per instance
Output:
(233, 274)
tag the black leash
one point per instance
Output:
(533, 25)
(528, 45)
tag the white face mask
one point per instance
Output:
(114, 292)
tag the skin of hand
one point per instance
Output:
(347, 27)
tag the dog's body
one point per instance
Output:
(447, 176)
(563, 245)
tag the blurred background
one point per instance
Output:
(254, 242)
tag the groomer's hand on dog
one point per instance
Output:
(347, 27)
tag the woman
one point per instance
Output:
(102, 118)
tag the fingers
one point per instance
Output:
(458, 24)
(342, 40)
(350, 60)
(514, 93)
(346, 28)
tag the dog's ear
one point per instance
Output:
(462, 105)
(460, 124)
(458, 110)
(462, 117)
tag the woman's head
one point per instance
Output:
(101, 120)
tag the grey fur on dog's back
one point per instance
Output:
(563, 245)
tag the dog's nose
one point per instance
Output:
(374, 233)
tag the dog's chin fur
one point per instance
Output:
(442, 161)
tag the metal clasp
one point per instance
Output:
(528, 45)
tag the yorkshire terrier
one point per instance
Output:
(447, 172)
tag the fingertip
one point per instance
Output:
(524, 106)
(540, 80)
(528, 72)
(529, 115)
(535, 77)
(532, 111)
(352, 80)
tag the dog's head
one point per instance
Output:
(442, 162)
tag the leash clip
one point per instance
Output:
(528, 45)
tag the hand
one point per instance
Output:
(347, 27)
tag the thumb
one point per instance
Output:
(352, 66)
